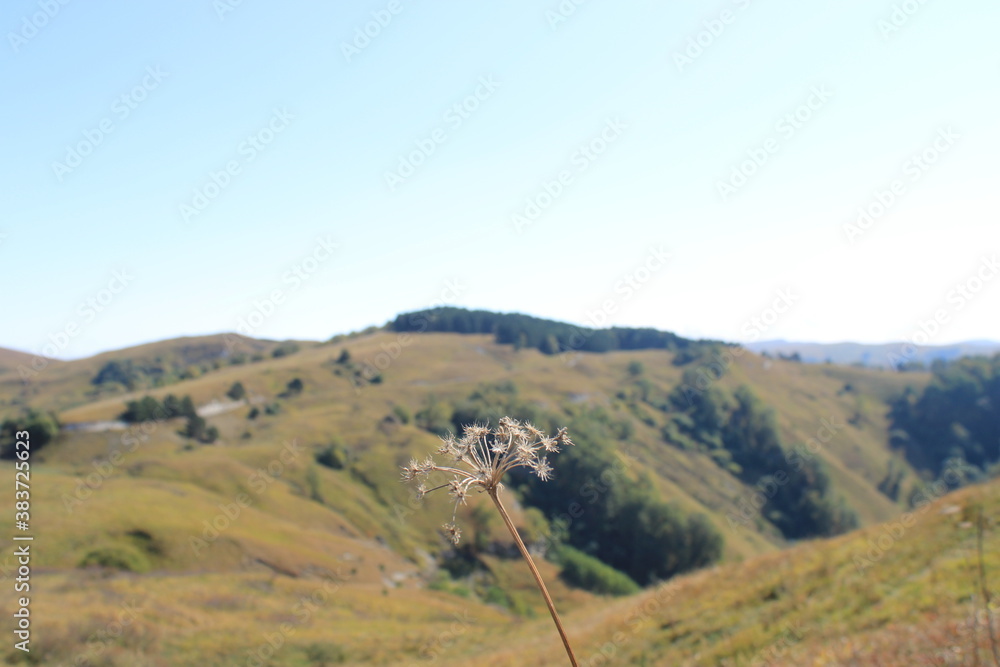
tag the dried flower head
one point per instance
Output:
(482, 456)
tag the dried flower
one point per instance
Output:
(487, 456)
(482, 457)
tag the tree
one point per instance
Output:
(145, 409)
(956, 415)
(42, 428)
(237, 392)
(293, 388)
(187, 408)
(285, 349)
(549, 345)
(334, 456)
(172, 407)
(195, 428)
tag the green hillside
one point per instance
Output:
(300, 495)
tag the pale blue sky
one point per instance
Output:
(675, 132)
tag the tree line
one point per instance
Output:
(148, 408)
(547, 336)
(954, 422)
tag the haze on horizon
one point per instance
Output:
(177, 170)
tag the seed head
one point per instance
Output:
(483, 456)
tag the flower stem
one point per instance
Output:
(494, 494)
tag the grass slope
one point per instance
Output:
(286, 527)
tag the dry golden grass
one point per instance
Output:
(213, 606)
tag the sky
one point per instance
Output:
(735, 169)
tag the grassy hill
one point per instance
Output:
(27, 379)
(219, 545)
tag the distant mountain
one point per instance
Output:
(884, 355)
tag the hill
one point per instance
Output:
(32, 380)
(299, 498)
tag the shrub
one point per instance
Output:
(285, 349)
(145, 409)
(116, 557)
(293, 388)
(197, 429)
(325, 654)
(43, 427)
(402, 413)
(312, 479)
(589, 573)
(149, 409)
(237, 392)
(334, 456)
